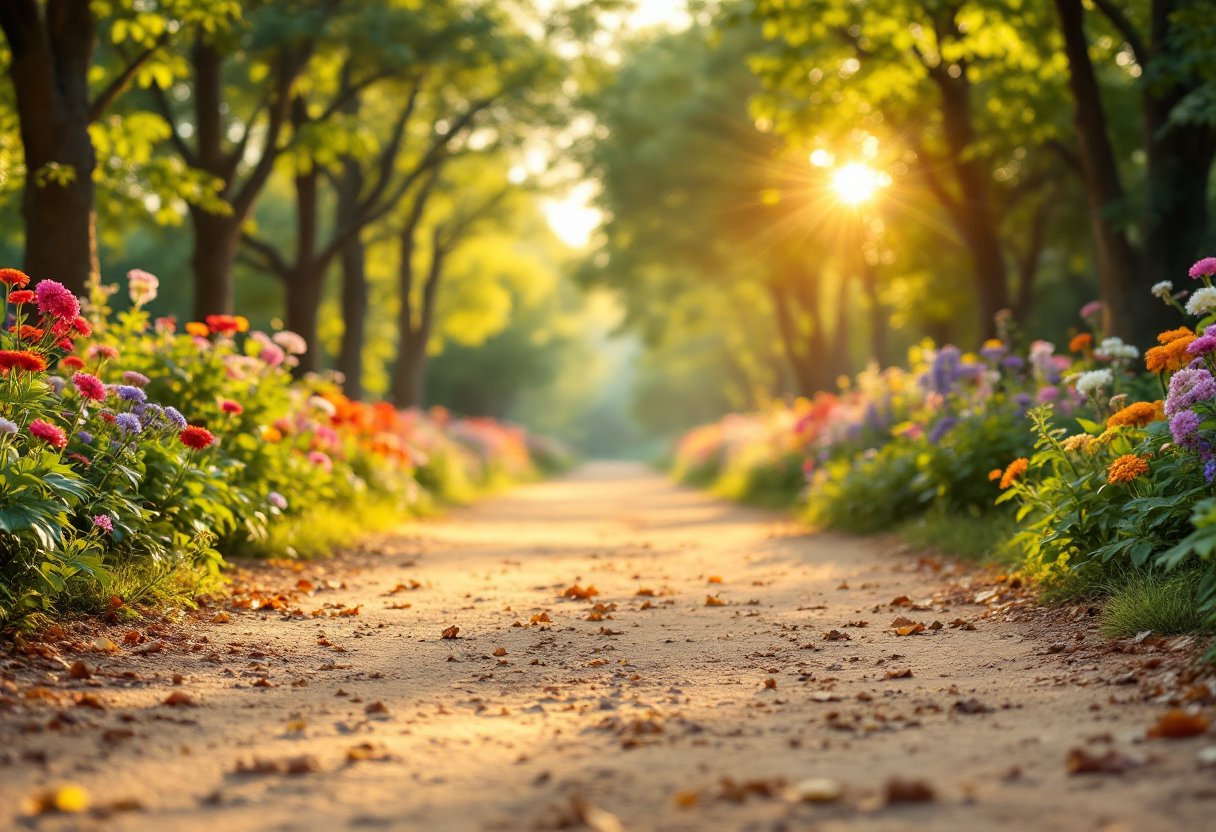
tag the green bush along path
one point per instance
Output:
(736, 656)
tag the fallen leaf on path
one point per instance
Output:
(715, 579)
(302, 764)
(220, 617)
(88, 700)
(909, 791)
(901, 601)
(598, 819)
(180, 699)
(686, 799)
(1080, 761)
(858, 624)
(70, 799)
(961, 624)
(501, 651)
(578, 592)
(450, 632)
(604, 631)
(367, 751)
(304, 585)
(399, 605)
(712, 601)
(910, 630)
(970, 706)
(646, 605)
(836, 635)
(79, 670)
(101, 644)
(263, 682)
(818, 790)
(645, 591)
(541, 618)
(902, 622)
(825, 696)
(150, 647)
(770, 683)
(350, 610)
(132, 637)
(1178, 724)
(906, 673)
(378, 709)
(739, 792)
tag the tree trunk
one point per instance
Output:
(1028, 263)
(354, 282)
(974, 215)
(880, 320)
(49, 69)
(802, 364)
(1116, 257)
(307, 282)
(216, 238)
(1176, 185)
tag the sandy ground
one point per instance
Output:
(660, 715)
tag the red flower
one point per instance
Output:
(82, 327)
(196, 437)
(48, 433)
(109, 417)
(90, 387)
(66, 345)
(83, 460)
(73, 363)
(56, 300)
(224, 324)
(229, 406)
(21, 296)
(31, 362)
(13, 277)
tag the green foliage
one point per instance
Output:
(975, 534)
(870, 493)
(1166, 603)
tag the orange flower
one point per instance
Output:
(1126, 468)
(1081, 342)
(1172, 356)
(198, 330)
(1137, 415)
(1169, 336)
(242, 323)
(1015, 470)
(272, 434)
(994, 475)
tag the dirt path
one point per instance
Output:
(630, 715)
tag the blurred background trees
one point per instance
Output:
(613, 220)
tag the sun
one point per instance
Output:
(855, 183)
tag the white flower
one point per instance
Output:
(142, 286)
(1163, 290)
(1114, 348)
(7, 426)
(291, 342)
(1089, 383)
(1202, 302)
(324, 405)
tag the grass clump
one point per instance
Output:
(972, 534)
(1165, 602)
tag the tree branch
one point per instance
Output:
(115, 88)
(1119, 20)
(271, 259)
(179, 144)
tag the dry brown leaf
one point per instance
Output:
(908, 631)
(770, 683)
(376, 709)
(132, 637)
(580, 593)
(715, 579)
(712, 601)
(1080, 761)
(88, 700)
(451, 632)
(399, 605)
(970, 706)
(686, 799)
(180, 699)
(541, 618)
(1178, 724)
(101, 644)
(645, 591)
(367, 751)
(836, 635)
(350, 610)
(79, 670)
(902, 622)
(906, 673)
(501, 651)
(604, 631)
(901, 601)
(961, 624)
(220, 617)
(908, 791)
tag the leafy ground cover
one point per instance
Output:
(135, 454)
(1089, 466)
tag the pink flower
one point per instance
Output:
(48, 433)
(166, 326)
(1094, 307)
(291, 342)
(90, 387)
(101, 352)
(273, 355)
(103, 521)
(142, 286)
(1204, 268)
(229, 406)
(56, 300)
(321, 460)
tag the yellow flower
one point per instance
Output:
(1080, 442)
(1126, 468)
(242, 323)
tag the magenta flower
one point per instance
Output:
(1204, 268)
(1202, 345)
(273, 355)
(101, 351)
(103, 521)
(1094, 307)
(56, 300)
(89, 386)
(321, 460)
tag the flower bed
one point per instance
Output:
(1100, 460)
(133, 454)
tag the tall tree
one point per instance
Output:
(52, 49)
(1179, 142)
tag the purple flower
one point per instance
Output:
(945, 369)
(176, 419)
(1202, 345)
(1022, 400)
(128, 423)
(103, 521)
(1204, 268)
(1013, 362)
(1209, 470)
(1188, 387)
(85, 437)
(130, 394)
(942, 427)
(1048, 393)
(277, 500)
(992, 353)
(1183, 426)
(137, 379)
